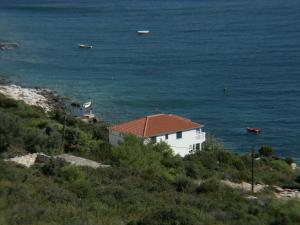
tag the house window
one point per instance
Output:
(197, 130)
(196, 147)
(153, 139)
(179, 135)
(166, 136)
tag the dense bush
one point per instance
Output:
(10, 129)
(289, 160)
(210, 185)
(286, 213)
(153, 161)
(7, 103)
(172, 216)
(183, 184)
(266, 151)
(212, 144)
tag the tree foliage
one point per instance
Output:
(266, 151)
(146, 183)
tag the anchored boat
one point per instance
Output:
(253, 130)
(85, 46)
(143, 32)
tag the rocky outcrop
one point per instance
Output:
(286, 193)
(244, 186)
(280, 193)
(78, 161)
(89, 118)
(293, 166)
(31, 96)
(30, 159)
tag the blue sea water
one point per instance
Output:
(196, 49)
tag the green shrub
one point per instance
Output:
(287, 213)
(146, 183)
(172, 216)
(212, 144)
(289, 160)
(7, 102)
(182, 184)
(144, 159)
(71, 139)
(53, 167)
(10, 130)
(76, 180)
(99, 131)
(193, 169)
(72, 173)
(28, 112)
(210, 185)
(297, 179)
(266, 151)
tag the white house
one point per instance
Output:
(180, 133)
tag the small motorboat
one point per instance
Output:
(87, 104)
(85, 46)
(143, 32)
(253, 130)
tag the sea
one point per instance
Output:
(227, 64)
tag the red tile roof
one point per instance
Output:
(155, 125)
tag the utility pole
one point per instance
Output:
(64, 133)
(65, 111)
(252, 170)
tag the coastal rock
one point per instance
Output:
(31, 96)
(293, 166)
(75, 104)
(89, 118)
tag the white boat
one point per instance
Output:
(85, 46)
(142, 32)
(87, 104)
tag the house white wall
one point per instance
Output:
(182, 146)
(115, 137)
(186, 144)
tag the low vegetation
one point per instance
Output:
(146, 184)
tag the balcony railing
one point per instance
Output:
(200, 135)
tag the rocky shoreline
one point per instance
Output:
(41, 97)
(45, 98)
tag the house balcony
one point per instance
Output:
(200, 136)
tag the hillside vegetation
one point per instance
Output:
(146, 184)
